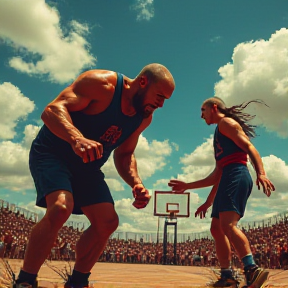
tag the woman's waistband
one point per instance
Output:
(235, 158)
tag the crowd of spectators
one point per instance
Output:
(268, 244)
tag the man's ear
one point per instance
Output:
(143, 81)
(215, 107)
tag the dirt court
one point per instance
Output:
(112, 275)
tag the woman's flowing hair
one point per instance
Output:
(236, 112)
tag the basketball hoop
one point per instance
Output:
(172, 209)
(171, 206)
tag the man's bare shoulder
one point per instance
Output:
(97, 75)
(227, 125)
(95, 82)
(228, 122)
(232, 129)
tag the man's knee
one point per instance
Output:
(110, 224)
(216, 231)
(58, 214)
(103, 218)
(106, 226)
(227, 229)
(59, 207)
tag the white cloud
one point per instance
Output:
(144, 9)
(199, 163)
(34, 28)
(201, 156)
(14, 169)
(15, 182)
(259, 71)
(135, 217)
(175, 145)
(114, 184)
(13, 159)
(150, 157)
(277, 171)
(30, 132)
(161, 185)
(14, 106)
(127, 228)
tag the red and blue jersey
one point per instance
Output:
(226, 151)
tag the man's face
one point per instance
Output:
(140, 107)
(206, 114)
(150, 98)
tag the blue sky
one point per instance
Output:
(236, 50)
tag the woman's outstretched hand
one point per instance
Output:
(178, 186)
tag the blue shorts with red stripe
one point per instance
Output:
(233, 191)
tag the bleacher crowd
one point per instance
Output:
(268, 243)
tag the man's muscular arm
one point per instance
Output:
(232, 129)
(126, 165)
(124, 159)
(180, 186)
(77, 97)
(57, 118)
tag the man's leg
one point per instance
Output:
(254, 274)
(44, 233)
(104, 221)
(223, 251)
(228, 222)
(223, 248)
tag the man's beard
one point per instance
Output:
(138, 100)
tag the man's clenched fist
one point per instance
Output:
(141, 196)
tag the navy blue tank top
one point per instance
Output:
(226, 151)
(110, 128)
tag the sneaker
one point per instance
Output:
(226, 282)
(255, 276)
(24, 285)
(68, 284)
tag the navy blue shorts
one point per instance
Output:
(233, 191)
(85, 181)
